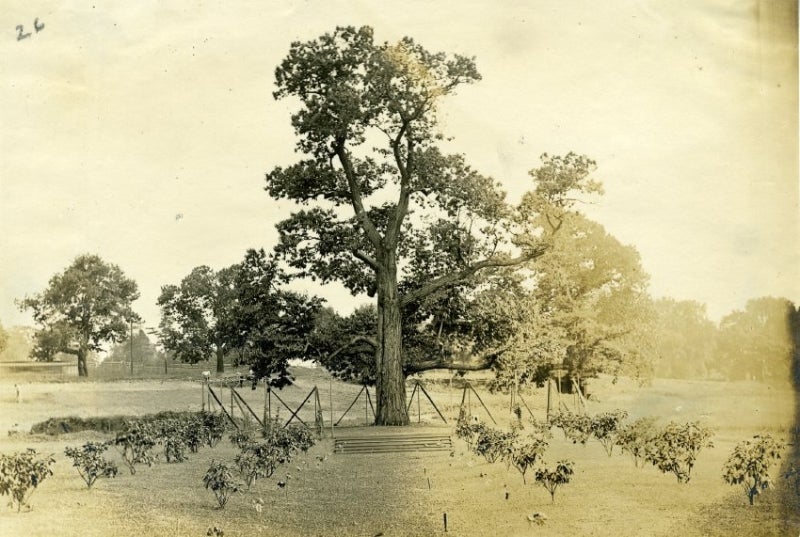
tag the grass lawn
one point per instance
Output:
(403, 494)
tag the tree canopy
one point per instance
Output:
(84, 307)
(757, 343)
(3, 339)
(143, 350)
(194, 315)
(384, 210)
(241, 311)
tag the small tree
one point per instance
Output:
(213, 427)
(605, 427)
(172, 434)
(749, 464)
(90, 462)
(524, 455)
(636, 438)
(21, 474)
(494, 444)
(135, 443)
(576, 427)
(220, 480)
(551, 478)
(675, 448)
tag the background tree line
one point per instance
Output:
(460, 277)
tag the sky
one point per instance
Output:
(141, 132)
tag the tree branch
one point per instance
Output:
(454, 278)
(465, 362)
(356, 339)
(358, 254)
(356, 198)
(396, 220)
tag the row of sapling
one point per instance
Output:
(672, 449)
(579, 428)
(521, 452)
(139, 437)
(257, 458)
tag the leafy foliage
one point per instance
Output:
(90, 462)
(193, 314)
(344, 345)
(684, 339)
(84, 307)
(240, 309)
(144, 351)
(220, 480)
(3, 339)
(261, 459)
(637, 438)
(172, 434)
(552, 478)
(135, 442)
(494, 444)
(21, 474)
(593, 288)
(525, 454)
(757, 343)
(675, 448)
(749, 464)
(576, 427)
(606, 426)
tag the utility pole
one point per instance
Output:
(131, 346)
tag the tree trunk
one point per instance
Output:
(391, 383)
(82, 371)
(220, 362)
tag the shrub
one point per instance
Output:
(552, 478)
(494, 444)
(636, 438)
(21, 474)
(220, 480)
(172, 435)
(241, 438)
(300, 437)
(90, 462)
(135, 443)
(524, 455)
(749, 464)
(605, 427)
(576, 427)
(213, 428)
(675, 448)
(74, 424)
(540, 429)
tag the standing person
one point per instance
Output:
(19, 397)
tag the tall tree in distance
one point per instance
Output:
(241, 310)
(142, 349)
(757, 343)
(83, 308)
(268, 325)
(367, 130)
(194, 315)
(684, 339)
(3, 339)
(594, 289)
